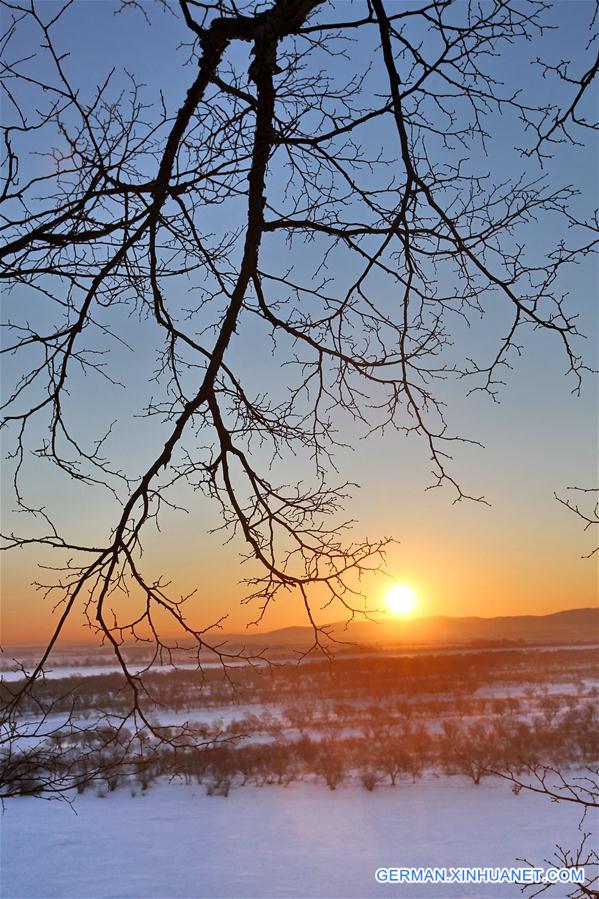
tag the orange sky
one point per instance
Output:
(521, 555)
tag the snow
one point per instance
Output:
(209, 715)
(10, 675)
(259, 843)
(522, 690)
(60, 667)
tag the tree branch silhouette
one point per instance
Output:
(355, 262)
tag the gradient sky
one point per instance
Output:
(521, 555)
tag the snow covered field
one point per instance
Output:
(300, 841)
(305, 841)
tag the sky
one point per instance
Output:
(521, 554)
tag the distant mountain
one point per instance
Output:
(574, 626)
(570, 626)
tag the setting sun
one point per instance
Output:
(401, 600)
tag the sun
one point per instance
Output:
(401, 600)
